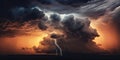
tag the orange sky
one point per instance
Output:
(108, 34)
(8, 45)
(15, 44)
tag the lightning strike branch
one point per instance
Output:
(58, 47)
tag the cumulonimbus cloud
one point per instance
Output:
(71, 20)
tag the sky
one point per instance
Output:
(59, 26)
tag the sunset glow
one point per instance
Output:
(108, 38)
(59, 27)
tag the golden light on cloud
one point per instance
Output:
(108, 37)
(22, 41)
(33, 40)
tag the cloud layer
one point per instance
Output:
(67, 21)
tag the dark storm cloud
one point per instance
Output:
(49, 46)
(20, 7)
(107, 8)
(71, 24)
(79, 29)
(76, 32)
(42, 26)
(25, 14)
(6, 5)
(46, 1)
(95, 10)
(73, 2)
(110, 12)
(16, 28)
(55, 18)
(19, 10)
(66, 2)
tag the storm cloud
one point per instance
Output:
(67, 21)
(79, 28)
(74, 32)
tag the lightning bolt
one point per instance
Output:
(56, 44)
